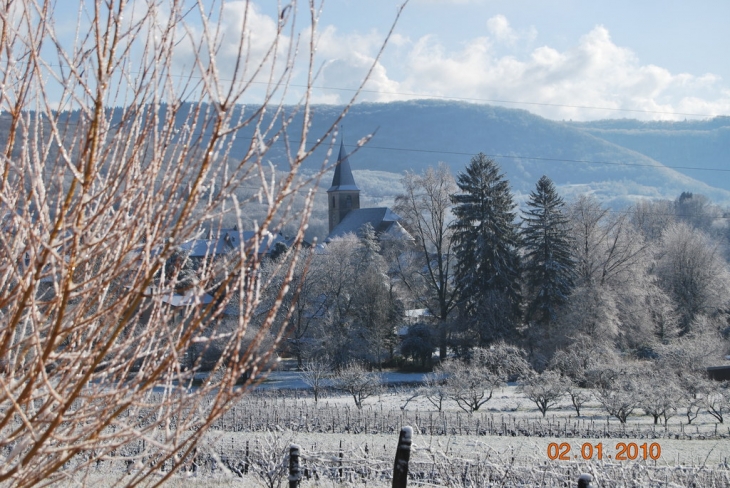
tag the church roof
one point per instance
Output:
(383, 220)
(343, 179)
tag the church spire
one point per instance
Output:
(343, 179)
(344, 195)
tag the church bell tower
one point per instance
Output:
(343, 195)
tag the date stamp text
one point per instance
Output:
(623, 451)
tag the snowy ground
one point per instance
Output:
(359, 447)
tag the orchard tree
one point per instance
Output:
(717, 400)
(574, 363)
(486, 247)
(471, 381)
(617, 389)
(548, 261)
(315, 373)
(425, 206)
(355, 380)
(468, 386)
(435, 388)
(684, 364)
(658, 395)
(545, 389)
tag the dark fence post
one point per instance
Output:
(245, 460)
(584, 481)
(402, 456)
(295, 472)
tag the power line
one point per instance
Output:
(534, 158)
(491, 100)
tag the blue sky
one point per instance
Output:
(647, 59)
(561, 59)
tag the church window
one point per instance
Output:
(348, 202)
(334, 205)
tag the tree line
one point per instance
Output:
(551, 277)
(630, 303)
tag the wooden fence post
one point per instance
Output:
(402, 456)
(584, 481)
(295, 472)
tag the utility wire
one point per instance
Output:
(533, 158)
(492, 100)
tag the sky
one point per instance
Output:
(561, 59)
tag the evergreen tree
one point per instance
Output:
(486, 244)
(548, 266)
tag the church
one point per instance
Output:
(345, 214)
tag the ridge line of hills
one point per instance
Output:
(414, 134)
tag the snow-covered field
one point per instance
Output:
(506, 443)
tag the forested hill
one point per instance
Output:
(579, 158)
(618, 161)
(704, 144)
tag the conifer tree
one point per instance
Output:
(486, 244)
(548, 263)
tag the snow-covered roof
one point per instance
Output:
(190, 297)
(227, 240)
(383, 220)
(200, 248)
(418, 312)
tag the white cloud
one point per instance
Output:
(263, 55)
(594, 73)
(500, 29)
(496, 66)
(347, 60)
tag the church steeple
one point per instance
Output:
(343, 195)
(343, 179)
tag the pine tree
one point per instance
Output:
(548, 266)
(486, 245)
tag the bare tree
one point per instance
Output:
(425, 206)
(651, 217)
(315, 373)
(692, 271)
(578, 397)
(616, 389)
(573, 364)
(471, 383)
(121, 146)
(717, 400)
(303, 306)
(357, 381)
(435, 389)
(545, 389)
(613, 290)
(469, 387)
(658, 395)
(608, 249)
(684, 364)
